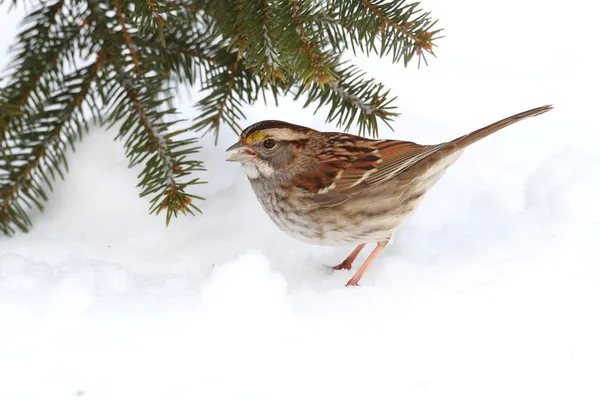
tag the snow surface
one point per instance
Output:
(490, 291)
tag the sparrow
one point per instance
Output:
(333, 188)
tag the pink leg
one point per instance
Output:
(354, 280)
(347, 263)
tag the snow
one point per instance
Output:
(489, 291)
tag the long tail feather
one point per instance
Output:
(479, 134)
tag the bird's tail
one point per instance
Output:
(479, 134)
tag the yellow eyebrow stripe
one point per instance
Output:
(253, 137)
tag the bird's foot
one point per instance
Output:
(342, 266)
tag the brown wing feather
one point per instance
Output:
(351, 167)
(398, 156)
(354, 164)
(340, 166)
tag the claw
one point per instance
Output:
(342, 266)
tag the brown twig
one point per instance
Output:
(240, 39)
(315, 60)
(155, 13)
(127, 37)
(419, 41)
(159, 144)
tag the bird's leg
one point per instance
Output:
(363, 268)
(347, 263)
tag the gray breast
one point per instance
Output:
(349, 223)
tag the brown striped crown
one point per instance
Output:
(271, 124)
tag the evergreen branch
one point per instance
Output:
(240, 39)
(187, 55)
(155, 14)
(271, 56)
(227, 95)
(45, 42)
(388, 22)
(226, 18)
(385, 27)
(222, 98)
(351, 98)
(42, 150)
(229, 85)
(36, 58)
(159, 142)
(148, 141)
(318, 70)
(246, 27)
(127, 37)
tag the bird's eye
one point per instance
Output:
(269, 143)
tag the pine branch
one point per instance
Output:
(153, 14)
(351, 98)
(221, 99)
(138, 104)
(229, 86)
(385, 27)
(252, 36)
(42, 154)
(186, 57)
(268, 57)
(45, 44)
(37, 55)
(321, 64)
(127, 37)
(150, 141)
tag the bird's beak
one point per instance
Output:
(241, 152)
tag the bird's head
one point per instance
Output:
(268, 147)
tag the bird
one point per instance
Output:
(339, 189)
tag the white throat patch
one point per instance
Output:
(258, 168)
(251, 170)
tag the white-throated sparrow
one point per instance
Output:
(334, 188)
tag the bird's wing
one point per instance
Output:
(347, 169)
